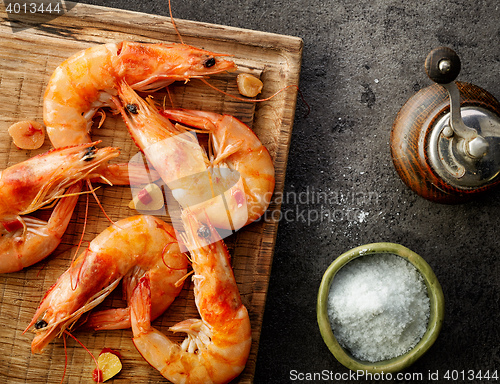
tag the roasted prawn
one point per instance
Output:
(236, 148)
(217, 345)
(232, 186)
(87, 82)
(132, 248)
(52, 177)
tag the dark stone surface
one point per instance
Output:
(362, 60)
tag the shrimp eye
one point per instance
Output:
(204, 232)
(210, 62)
(133, 108)
(89, 154)
(40, 324)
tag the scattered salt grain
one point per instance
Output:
(378, 307)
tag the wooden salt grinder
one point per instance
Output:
(445, 141)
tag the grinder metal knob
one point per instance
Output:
(442, 65)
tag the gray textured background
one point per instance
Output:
(362, 60)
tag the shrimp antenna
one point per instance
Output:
(259, 100)
(79, 245)
(84, 347)
(92, 190)
(65, 359)
(164, 250)
(173, 22)
(169, 97)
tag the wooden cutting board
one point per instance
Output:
(28, 55)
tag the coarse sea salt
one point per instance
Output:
(378, 307)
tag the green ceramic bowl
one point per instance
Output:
(435, 320)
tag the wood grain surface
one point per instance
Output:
(29, 52)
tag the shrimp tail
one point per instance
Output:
(151, 344)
